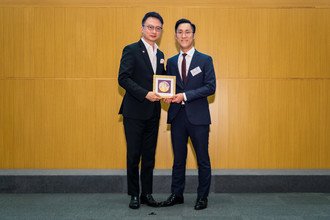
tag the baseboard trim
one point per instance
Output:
(114, 181)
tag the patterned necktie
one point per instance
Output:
(183, 68)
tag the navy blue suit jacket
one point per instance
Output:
(136, 77)
(197, 88)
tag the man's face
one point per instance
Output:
(185, 36)
(152, 30)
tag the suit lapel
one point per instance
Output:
(158, 71)
(177, 72)
(144, 54)
(193, 64)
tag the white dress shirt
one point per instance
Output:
(152, 52)
(189, 56)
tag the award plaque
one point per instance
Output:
(164, 85)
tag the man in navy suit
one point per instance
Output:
(141, 108)
(189, 113)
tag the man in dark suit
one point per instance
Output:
(141, 108)
(189, 113)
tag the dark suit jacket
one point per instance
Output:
(136, 77)
(197, 88)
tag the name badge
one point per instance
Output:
(196, 71)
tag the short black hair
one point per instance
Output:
(153, 15)
(183, 21)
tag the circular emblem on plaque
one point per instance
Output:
(164, 86)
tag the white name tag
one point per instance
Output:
(195, 71)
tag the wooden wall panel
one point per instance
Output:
(274, 124)
(265, 43)
(87, 42)
(61, 124)
(28, 44)
(59, 94)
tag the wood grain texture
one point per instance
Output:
(59, 94)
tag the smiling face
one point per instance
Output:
(151, 30)
(185, 36)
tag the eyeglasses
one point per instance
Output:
(187, 33)
(151, 28)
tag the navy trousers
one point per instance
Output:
(181, 130)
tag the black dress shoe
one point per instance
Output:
(149, 200)
(134, 203)
(201, 204)
(173, 199)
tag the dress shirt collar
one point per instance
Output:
(190, 52)
(149, 47)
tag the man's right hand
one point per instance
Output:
(152, 97)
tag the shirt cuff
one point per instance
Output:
(184, 97)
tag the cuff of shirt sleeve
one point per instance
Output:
(184, 97)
